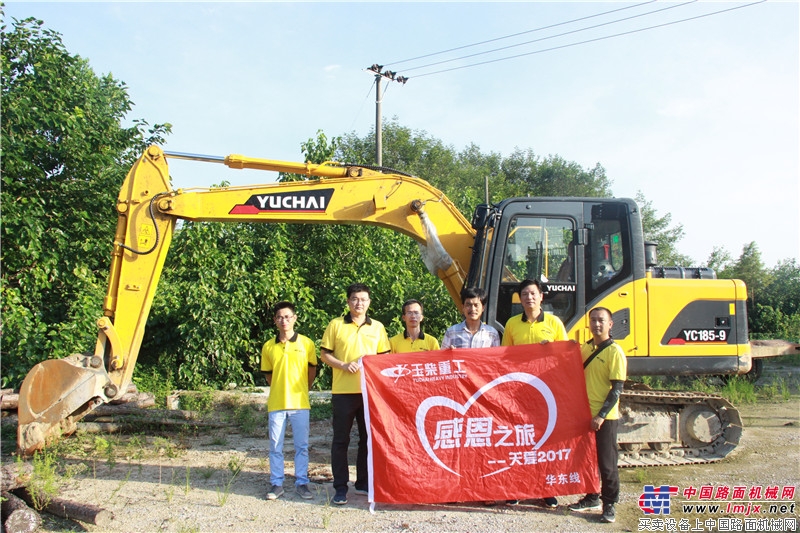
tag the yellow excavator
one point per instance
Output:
(588, 251)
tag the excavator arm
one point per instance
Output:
(58, 392)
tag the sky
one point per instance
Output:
(698, 111)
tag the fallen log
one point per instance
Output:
(130, 410)
(17, 516)
(15, 475)
(9, 400)
(140, 399)
(85, 512)
(111, 425)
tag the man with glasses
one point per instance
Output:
(346, 340)
(413, 339)
(289, 362)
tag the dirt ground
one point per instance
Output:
(190, 490)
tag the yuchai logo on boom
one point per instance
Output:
(285, 202)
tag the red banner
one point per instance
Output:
(478, 424)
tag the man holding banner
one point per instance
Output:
(605, 368)
(345, 342)
(533, 326)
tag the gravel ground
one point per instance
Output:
(154, 494)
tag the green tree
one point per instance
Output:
(776, 313)
(783, 290)
(750, 269)
(530, 175)
(657, 229)
(719, 259)
(65, 153)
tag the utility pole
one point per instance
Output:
(392, 76)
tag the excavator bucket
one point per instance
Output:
(56, 394)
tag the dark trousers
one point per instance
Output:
(346, 408)
(606, 438)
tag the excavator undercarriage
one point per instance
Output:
(663, 428)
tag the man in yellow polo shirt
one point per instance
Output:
(605, 374)
(533, 326)
(289, 362)
(346, 340)
(413, 339)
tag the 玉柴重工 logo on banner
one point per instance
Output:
(479, 424)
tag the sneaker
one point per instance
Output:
(587, 503)
(363, 492)
(303, 492)
(551, 502)
(340, 498)
(275, 492)
(512, 502)
(609, 514)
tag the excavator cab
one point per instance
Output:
(581, 249)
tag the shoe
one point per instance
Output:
(551, 502)
(512, 502)
(609, 514)
(275, 492)
(587, 503)
(340, 498)
(303, 492)
(363, 492)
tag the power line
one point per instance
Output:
(518, 34)
(552, 36)
(590, 40)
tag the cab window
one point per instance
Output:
(608, 257)
(538, 248)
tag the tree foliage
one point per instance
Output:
(773, 302)
(64, 154)
(657, 229)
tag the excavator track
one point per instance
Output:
(666, 428)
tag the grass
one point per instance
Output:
(45, 481)
(235, 465)
(251, 419)
(121, 484)
(201, 402)
(321, 410)
(187, 486)
(738, 390)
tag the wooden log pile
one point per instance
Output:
(19, 511)
(131, 411)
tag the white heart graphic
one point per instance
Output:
(434, 401)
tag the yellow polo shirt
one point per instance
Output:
(349, 342)
(548, 327)
(288, 361)
(607, 365)
(401, 343)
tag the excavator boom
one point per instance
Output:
(57, 393)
